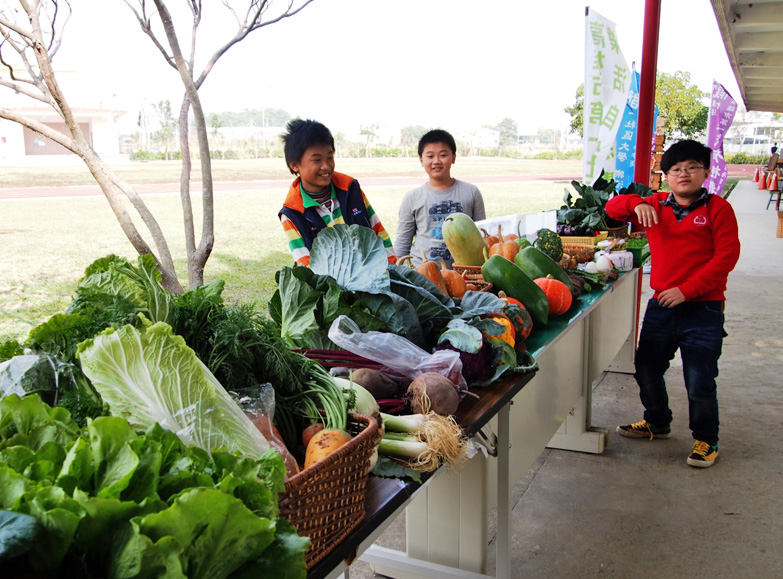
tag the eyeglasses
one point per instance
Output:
(690, 170)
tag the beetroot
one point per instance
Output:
(432, 391)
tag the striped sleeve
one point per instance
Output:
(377, 227)
(295, 242)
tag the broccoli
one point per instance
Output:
(550, 243)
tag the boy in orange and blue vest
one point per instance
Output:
(319, 197)
(694, 244)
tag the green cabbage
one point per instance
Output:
(150, 375)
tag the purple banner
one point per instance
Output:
(722, 111)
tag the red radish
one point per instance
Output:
(310, 431)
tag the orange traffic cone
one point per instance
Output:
(762, 180)
(773, 181)
(756, 176)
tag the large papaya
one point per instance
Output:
(464, 240)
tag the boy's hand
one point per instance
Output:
(671, 297)
(646, 215)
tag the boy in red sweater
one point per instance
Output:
(694, 244)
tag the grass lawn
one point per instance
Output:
(47, 243)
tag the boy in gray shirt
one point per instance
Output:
(424, 208)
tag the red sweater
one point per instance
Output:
(695, 254)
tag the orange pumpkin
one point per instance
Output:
(471, 287)
(508, 299)
(557, 294)
(431, 271)
(489, 239)
(455, 283)
(507, 249)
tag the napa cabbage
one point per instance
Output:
(150, 375)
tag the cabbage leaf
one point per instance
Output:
(353, 255)
(150, 375)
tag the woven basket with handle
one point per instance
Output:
(326, 501)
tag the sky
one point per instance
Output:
(454, 64)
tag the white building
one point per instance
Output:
(20, 146)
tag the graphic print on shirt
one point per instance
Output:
(700, 220)
(437, 213)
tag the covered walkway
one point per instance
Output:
(638, 509)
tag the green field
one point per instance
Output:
(47, 243)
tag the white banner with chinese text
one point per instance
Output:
(607, 79)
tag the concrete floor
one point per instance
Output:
(638, 509)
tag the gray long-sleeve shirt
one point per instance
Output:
(422, 212)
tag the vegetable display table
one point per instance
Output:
(447, 514)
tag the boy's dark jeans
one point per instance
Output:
(696, 328)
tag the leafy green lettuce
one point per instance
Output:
(149, 375)
(106, 501)
(114, 283)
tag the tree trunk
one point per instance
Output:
(109, 182)
(198, 258)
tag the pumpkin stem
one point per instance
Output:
(406, 260)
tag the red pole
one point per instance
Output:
(644, 128)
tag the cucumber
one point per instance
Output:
(507, 276)
(535, 263)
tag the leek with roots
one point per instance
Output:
(423, 441)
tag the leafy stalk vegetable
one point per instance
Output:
(423, 441)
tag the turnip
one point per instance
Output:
(376, 383)
(432, 391)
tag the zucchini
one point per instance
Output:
(507, 276)
(535, 263)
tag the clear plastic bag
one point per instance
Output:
(398, 355)
(258, 403)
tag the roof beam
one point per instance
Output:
(751, 72)
(746, 15)
(770, 106)
(759, 59)
(757, 41)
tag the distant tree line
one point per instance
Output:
(159, 144)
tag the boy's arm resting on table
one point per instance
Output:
(296, 244)
(725, 256)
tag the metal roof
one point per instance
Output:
(753, 35)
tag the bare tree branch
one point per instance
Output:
(252, 21)
(146, 27)
(40, 128)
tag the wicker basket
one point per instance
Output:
(326, 501)
(472, 274)
(581, 253)
(587, 240)
(621, 231)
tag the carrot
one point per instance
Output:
(323, 444)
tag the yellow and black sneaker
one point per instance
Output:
(643, 429)
(703, 454)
